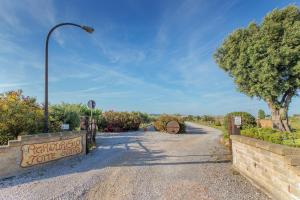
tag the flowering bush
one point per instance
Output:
(19, 115)
(119, 121)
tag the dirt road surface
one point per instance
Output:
(141, 166)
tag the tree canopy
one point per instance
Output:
(264, 59)
(261, 114)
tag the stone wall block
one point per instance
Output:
(274, 168)
(11, 155)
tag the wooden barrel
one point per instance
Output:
(173, 127)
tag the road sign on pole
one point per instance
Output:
(91, 104)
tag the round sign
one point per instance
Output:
(173, 127)
(91, 104)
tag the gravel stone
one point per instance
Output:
(142, 166)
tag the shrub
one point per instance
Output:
(208, 118)
(64, 113)
(119, 121)
(248, 121)
(218, 123)
(69, 114)
(190, 118)
(19, 115)
(145, 118)
(273, 136)
(4, 139)
(86, 111)
(161, 123)
(266, 134)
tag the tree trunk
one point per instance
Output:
(280, 119)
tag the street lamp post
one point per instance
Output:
(87, 29)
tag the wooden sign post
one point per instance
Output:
(234, 126)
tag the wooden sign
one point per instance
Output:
(173, 127)
(33, 154)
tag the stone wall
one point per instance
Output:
(30, 151)
(273, 168)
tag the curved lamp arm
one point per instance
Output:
(87, 29)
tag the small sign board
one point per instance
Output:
(91, 104)
(65, 126)
(238, 120)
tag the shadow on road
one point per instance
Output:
(114, 150)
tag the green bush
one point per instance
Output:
(69, 114)
(119, 121)
(266, 134)
(248, 121)
(4, 139)
(161, 123)
(218, 123)
(86, 111)
(64, 113)
(145, 118)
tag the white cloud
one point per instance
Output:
(120, 52)
(13, 13)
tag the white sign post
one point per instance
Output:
(65, 127)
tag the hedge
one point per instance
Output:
(265, 134)
(273, 136)
(119, 121)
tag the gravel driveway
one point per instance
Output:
(140, 165)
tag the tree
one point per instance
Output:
(264, 61)
(261, 114)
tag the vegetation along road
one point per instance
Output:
(140, 165)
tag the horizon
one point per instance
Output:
(153, 57)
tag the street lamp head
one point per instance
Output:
(88, 29)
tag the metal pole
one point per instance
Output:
(46, 117)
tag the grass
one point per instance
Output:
(295, 123)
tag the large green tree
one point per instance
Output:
(264, 61)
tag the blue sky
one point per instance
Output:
(152, 56)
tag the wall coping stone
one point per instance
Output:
(274, 148)
(47, 135)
